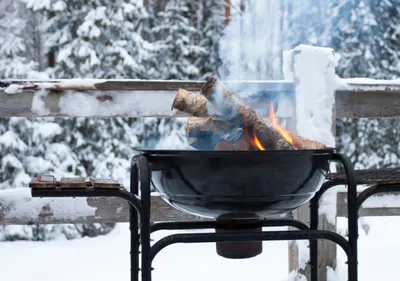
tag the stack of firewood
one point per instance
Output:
(221, 121)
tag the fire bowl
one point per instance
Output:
(213, 184)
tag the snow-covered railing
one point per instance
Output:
(127, 98)
(142, 98)
(17, 207)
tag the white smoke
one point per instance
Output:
(251, 47)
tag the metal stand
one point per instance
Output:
(304, 232)
(140, 208)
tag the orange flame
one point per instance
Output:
(275, 125)
(257, 142)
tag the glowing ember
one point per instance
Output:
(276, 126)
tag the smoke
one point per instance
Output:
(252, 47)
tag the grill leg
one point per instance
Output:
(134, 225)
(314, 205)
(352, 214)
(144, 179)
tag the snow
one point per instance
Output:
(11, 140)
(19, 203)
(45, 130)
(368, 84)
(38, 105)
(382, 201)
(107, 258)
(12, 89)
(129, 103)
(316, 83)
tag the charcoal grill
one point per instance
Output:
(211, 184)
(239, 209)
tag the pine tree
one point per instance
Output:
(211, 25)
(96, 39)
(175, 35)
(19, 48)
(71, 147)
(364, 33)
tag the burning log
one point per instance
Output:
(208, 133)
(193, 104)
(262, 134)
(230, 106)
(304, 143)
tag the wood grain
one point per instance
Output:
(371, 104)
(367, 212)
(104, 183)
(73, 183)
(42, 184)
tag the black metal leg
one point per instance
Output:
(352, 214)
(314, 222)
(134, 225)
(314, 204)
(144, 179)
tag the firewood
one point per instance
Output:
(223, 145)
(230, 106)
(186, 98)
(213, 134)
(205, 124)
(193, 104)
(241, 144)
(305, 143)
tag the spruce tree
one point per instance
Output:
(19, 50)
(175, 35)
(211, 26)
(96, 39)
(364, 33)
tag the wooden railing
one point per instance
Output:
(14, 202)
(360, 100)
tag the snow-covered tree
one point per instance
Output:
(175, 33)
(20, 41)
(366, 35)
(97, 38)
(211, 25)
(71, 147)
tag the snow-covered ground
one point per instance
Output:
(107, 258)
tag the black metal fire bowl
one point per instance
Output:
(212, 184)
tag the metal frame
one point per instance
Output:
(140, 179)
(354, 207)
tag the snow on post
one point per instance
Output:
(312, 69)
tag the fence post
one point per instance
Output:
(313, 71)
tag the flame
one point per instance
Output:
(257, 142)
(276, 126)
